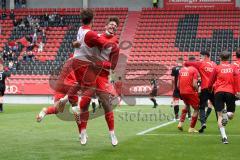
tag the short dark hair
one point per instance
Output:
(225, 55)
(114, 19)
(205, 53)
(191, 58)
(238, 53)
(86, 16)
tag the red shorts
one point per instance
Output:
(103, 85)
(84, 77)
(191, 99)
(72, 99)
(85, 72)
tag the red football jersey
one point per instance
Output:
(223, 78)
(113, 55)
(237, 78)
(205, 69)
(185, 80)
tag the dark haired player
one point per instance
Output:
(223, 81)
(205, 67)
(153, 94)
(88, 44)
(104, 58)
(187, 83)
(176, 92)
(3, 76)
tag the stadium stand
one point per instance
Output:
(164, 35)
(59, 39)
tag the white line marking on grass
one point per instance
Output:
(195, 134)
(154, 128)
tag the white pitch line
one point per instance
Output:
(154, 128)
(195, 134)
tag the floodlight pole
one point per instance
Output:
(85, 3)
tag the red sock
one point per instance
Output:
(183, 115)
(193, 122)
(110, 120)
(52, 110)
(83, 120)
(77, 119)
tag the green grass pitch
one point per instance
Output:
(22, 138)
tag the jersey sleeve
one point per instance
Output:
(114, 55)
(195, 74)
(113, 59)
(213, 78)
(92, 39)
(178, 80)
(193, 64)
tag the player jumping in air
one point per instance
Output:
(106, 59)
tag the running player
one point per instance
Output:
(187, 83)
(3, 76)
(223, 78)
(176, 92)
(205, 68)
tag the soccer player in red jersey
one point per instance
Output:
(57, 107)
(176, 92)
(87, 45)
(223, 82)
(106, 59)
(187, 84)
(237, 64)
(205, 67)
